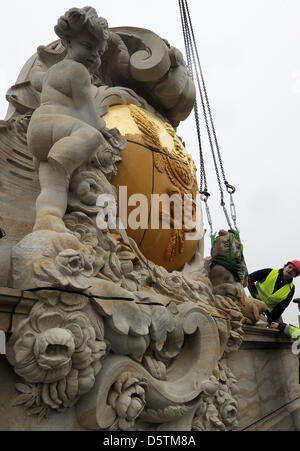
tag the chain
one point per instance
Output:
(233, 212)
(203, 180)
(194, 63)
(191, 60)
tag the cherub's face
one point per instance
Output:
(87, 50)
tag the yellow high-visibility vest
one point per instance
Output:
(265, 290)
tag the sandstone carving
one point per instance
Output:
(228, 274)
(129, 327)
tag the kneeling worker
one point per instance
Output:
(290, 331)
(274, 287)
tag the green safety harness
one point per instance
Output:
(234, 263)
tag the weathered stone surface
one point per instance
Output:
(268, 381)
(15, 306)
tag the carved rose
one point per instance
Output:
(211, 386)
(58, 349)
(53, 349)
(228, 412)
(127, 397)
(72, 266)
(47, 258)
(48, 353)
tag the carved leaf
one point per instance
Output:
(21, 399)
(22, 388)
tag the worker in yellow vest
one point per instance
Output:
(288, 329)
(297, 301)
(275, 288)
(291, 331)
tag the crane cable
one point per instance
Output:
(194, 66)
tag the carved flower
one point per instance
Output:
(53, 349)
(228, 412)
(71, 263)
(60, 351)
(127, 397)
(47, 258)
(46, 356)
(210, 386)
(70, 268)
(217, 410)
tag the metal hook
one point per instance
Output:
(204, 195)
(230, 188)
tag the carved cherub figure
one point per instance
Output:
(228, 274)
(65, 131)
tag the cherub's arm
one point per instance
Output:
(37, 75)
(82, 96)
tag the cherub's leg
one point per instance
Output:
(74, 144)
(51, 204)
(70, 152)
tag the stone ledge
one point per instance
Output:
(263, 337)
(15, 305)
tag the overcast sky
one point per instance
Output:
(250, 53)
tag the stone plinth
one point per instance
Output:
(267, 374)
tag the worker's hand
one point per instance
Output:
(257, 297)
(274, 325)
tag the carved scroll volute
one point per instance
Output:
(152, 61)
(159, 400)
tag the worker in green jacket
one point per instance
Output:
(274, 287)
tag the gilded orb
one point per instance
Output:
(155, 163)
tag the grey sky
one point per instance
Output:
(250, 53)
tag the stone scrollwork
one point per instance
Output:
(138, 391)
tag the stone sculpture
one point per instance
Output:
(65, 131)
(129, 343)
(228, 272)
